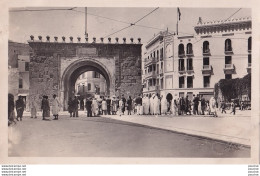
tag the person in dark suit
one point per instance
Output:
(88, 107)
(108, 105)
(45, 107)
(124, 102)
(20, 105)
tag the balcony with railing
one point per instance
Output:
(228, 50)
(189, 53)
(181, 69)
(181, 85)
(181, 53)
(151, 74)
(190, 69)
(229, 68)
(206, 52)
(150, 61)
(249, 68)
(161, 72)
(206, 69)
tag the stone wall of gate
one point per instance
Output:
(48, 61)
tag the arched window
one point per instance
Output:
(189, 48)
(249, 46)
(206, 47)
(181, 49)
(228, 46)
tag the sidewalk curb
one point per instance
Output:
(188, 134)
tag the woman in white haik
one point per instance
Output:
(163, 105)
(212, 105)
(55, 107)
(152, 104)
(146, 104)
(94, 107)
(156, 105)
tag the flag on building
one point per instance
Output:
(179, 13)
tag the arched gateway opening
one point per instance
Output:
(74, 70)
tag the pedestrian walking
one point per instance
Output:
(70, 106)
(33, 107)
(233, 108)
(20, 105)
(196, 104)
(187, 105)
(223, 107)
(45, 107)
(55, 107)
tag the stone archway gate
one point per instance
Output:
(52, 63)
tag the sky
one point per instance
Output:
(68, 23)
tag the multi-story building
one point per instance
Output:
(153, 64)
(91, 83)
(18, 70)
(217, 50)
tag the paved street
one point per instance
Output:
(107, 137)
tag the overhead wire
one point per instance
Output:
(132, 24)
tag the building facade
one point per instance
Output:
(90, 84)
(18, 70)
(153, 63)
(217, 50)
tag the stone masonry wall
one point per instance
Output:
(49, 60)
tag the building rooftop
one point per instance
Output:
(217, 22)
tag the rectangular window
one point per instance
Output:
(181, 65)
(162, 83)
(205, 60)
(20, 83)
(228, 76)
(83, 87)
(228, 60)
(89, 86)
(181, 94)
(78, 88)
(161, 67)
(190, 82)
(26, 66)
(157, 70)
(181, 82)
(249, 59)
(96, 75)
(206, 80)
(189, 64)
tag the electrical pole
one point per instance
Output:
(86, 22)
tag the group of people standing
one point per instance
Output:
(151, 104)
